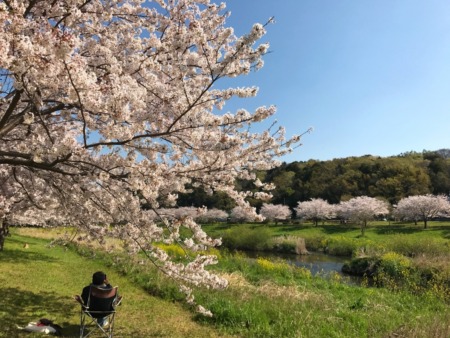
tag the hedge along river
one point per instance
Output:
(320, 264)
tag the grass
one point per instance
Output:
(38, 282)
(344, 240)
(264, 299)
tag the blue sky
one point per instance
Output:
(371, 77)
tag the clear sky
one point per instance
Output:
(371, 77)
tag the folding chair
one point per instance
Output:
(101, 304)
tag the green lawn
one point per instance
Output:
(375, 230)
(264, 299)
(38, 282)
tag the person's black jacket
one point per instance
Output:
(87, 289)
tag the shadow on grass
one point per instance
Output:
(446, 234)
(13, 255)
(339, 229)
(20, 256)
(410, 229)
(19, 307)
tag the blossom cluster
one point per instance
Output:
(110, 108)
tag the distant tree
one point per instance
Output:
(283, 182)
(423, 207)
(316, 209)
(198, 197)
(362, 210)
(243, 214)
(439, 171)
(213, 215)
(275, 212)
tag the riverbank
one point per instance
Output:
(397, 256)
(268, 299)
(337, 239)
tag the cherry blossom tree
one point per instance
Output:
(422, 207)
(242, 214)
(362, 209)
(213, 215)
(180, 212)
(316, 209)
(197, 214)
(109, 105)
(275, 212)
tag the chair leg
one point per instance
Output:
(86, 321)
(82, 322)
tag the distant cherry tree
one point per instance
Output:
(362, 210)
(275, 212)
(316, 209)
(213, 215)
(244, 214)
(422, 207)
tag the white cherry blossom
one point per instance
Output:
(110, 108)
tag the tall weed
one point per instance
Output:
(247, 238)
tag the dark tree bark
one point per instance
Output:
(4, 231)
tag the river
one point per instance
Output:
(319, 264)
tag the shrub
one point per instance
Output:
(341, 246)
(395, 265)
(247, 238)
(316, 243)
(290, 244)
(172, 249)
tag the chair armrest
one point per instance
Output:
(118, 301)
(78, 299)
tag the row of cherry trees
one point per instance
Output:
(364, 209)
(360, 210)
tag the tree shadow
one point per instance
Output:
(446, 234)
(410, 229)
(12, 255)
(338, 229)
(24, 306)
(21, 256)
(291, 228)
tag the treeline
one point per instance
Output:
(389, 178)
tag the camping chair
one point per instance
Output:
(101, 304)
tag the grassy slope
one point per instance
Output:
(38, 282)
(306, 308)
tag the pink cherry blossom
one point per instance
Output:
(110, 106)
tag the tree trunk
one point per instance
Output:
(4, 231)
(425, 223)
(363, 228)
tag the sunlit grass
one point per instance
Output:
(264, 299)
(38, 282)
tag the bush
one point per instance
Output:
(290, 244)
(395, 265)
(341, 246)
(247, 238)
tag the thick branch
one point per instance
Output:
(10, 109)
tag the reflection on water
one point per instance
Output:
(319, 264)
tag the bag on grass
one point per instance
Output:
(43, 326)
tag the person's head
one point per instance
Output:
(98, 278)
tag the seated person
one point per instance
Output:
(99, 280)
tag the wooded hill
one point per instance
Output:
(389, 178)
